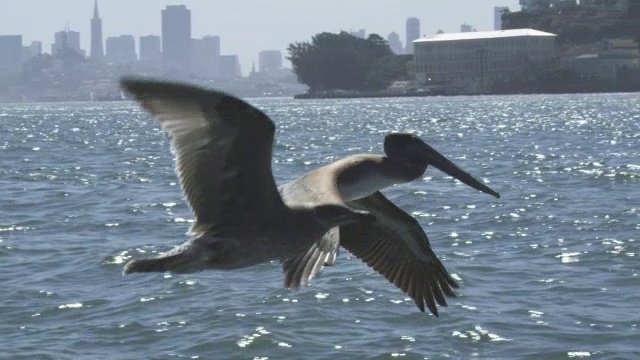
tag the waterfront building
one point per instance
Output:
(97, 49)
(613, 58)
(176, 38)
(473, 62)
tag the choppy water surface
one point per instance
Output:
(550, 270)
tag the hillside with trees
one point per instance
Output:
(344, 62)
(579, 25)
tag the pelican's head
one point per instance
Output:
(410, 149)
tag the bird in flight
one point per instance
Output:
(222, 148)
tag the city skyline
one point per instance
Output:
(263, 26)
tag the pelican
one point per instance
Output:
(222, 147)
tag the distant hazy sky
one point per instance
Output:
(245, 26)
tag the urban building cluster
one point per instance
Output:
(412, 31)
(173, 53)
(474, 62)
(470, 61)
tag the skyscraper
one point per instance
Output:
(121, 49)
(31, 51)
(413, 33)
(150, 51)
(394, 43)
(36, 48)
(205, 56)
(269, 61)
(466, 28)
(66, 40)
(97, 50)
(497, 16)
(10, 53)
(176, 38)
(25, 55)
(230, 66)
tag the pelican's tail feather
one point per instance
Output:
(160, 264)
(181, 259)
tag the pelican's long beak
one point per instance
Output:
(439, 161)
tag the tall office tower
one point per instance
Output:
(36, 48)
(205, 56)
(25, 54)
(176, 38)
(230, 66)
(413, 33)
(66, 39)
(151, 51)
(394, 43)
(497, 16)
(121, 49)
(10, 53)
(269, 61)
(97, 49)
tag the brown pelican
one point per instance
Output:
(223, 146)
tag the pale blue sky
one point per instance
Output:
(245, 26)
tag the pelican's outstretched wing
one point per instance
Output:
(222, 147)
(396, 246)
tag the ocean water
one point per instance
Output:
(549, 271)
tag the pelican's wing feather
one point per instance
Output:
(222, 147)
(396, 247)
(300, 269)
